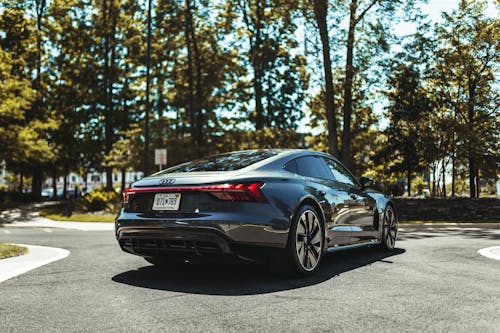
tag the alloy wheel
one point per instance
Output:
(308, 240)
(390, 228)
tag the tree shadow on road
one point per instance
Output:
(246, 279)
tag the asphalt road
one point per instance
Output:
(435, 281)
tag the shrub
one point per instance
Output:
(100, 199)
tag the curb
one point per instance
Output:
(490, 252)
(37, 256)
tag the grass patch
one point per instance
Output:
(64, 213)
(9, 250)
(449, 221)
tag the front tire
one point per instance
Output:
(389, 229)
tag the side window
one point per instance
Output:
(340, 173)
(292, 166)
(311, 166)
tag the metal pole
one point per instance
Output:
(148, 106)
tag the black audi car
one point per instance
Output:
(286, 207)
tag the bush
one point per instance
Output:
(100, 199)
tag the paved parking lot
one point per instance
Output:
(435, 281)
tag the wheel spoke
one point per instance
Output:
(309, 222)
(314, 251)
(312, 259)
(315, 231)
(305, 257)
(316, 239)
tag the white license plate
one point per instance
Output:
(167, 201)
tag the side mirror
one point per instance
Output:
(366, 182)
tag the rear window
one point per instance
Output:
(222, 162)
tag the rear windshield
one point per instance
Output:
(222, 162)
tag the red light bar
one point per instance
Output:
(227, 191)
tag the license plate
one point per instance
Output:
(167, 201)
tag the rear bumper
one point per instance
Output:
(199, 234)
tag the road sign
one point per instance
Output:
(160, 157)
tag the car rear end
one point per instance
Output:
(201, 215)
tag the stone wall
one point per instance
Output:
(448, 209)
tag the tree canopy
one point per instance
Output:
(237, 74)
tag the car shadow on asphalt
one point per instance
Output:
(247, 279)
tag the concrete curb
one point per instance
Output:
(491, 252)
(449, 225)
(41, 222)
(36, 257)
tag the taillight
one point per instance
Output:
(237, 192)
(227, 192)
(128, 194)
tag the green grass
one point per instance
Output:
(8, 250)
(57, 214)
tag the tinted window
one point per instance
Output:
(340, 173)
(222, 162)
(311, 166)
(292, 166)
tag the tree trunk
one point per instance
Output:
(36, 183)
(478, 186)
(471, 149)
(199, 92)
(190, 73)
(444, 177)
(472, 177)
(409, 184)
(65, 181)
(123, 181)
(349, 75)
(320, 14)
(110, 54)
(433, 180)
(54, 182)
(21, 182)
(453, 171)
(256, 59)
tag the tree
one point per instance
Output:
(408, 113)
(23, 42)
(467, 59)
(320, 9)
(278, 76)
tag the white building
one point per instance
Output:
(93, 180)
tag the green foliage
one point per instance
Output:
(238, 74)
(100, 199)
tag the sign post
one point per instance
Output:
(161, 157)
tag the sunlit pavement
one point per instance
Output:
(435, 281)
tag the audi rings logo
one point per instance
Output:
(167, 181)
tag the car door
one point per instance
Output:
(319, 181)
(361, 206)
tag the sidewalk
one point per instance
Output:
(27, 216)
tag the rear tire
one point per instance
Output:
(305, 244)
